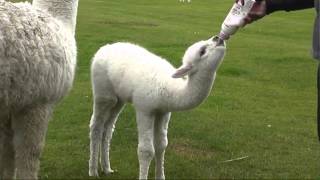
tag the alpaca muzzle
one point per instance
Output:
(218, 41)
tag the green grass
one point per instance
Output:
(267, 78)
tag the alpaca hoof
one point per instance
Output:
(93, 173)
(108, 171)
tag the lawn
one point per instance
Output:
(262, 106)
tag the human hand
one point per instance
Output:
(258, 11)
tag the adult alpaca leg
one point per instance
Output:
(107, 136)
(1, 151)
(102, 110)
(30, 127)
(160, 142)
(145, 123)
(318, 106)
(7, 153)
(7, 168)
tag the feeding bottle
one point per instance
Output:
(235, 18)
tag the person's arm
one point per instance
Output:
(287, 5)
(264, 7)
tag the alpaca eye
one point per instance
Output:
(202, 51)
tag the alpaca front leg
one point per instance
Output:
(30, 127)
(160, 142)
(101, 113)
(1, 152)
(107, 136)
(145, 123)
(7, 167)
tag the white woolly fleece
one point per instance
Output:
(37, 66)
(37, 56)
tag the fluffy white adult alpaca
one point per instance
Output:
(37, 64)
(124, 72)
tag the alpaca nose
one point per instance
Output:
(218, 41)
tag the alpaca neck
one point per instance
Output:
(63, 10)
(193, 90)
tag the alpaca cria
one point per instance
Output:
(124, 72)
(37, 64)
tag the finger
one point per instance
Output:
(241, 1)
(248, 20)
(255, 15)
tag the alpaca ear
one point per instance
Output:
(182, 71)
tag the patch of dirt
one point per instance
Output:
(185, 148)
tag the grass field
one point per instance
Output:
(263, 104)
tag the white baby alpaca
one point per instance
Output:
(37, 64)
(124, 72)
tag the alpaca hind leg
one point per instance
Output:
(101, 113)
(145, 123)
(160, 142)
(107, 136)
(30, 127)
(7, 168)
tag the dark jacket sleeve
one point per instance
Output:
(288, 5)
